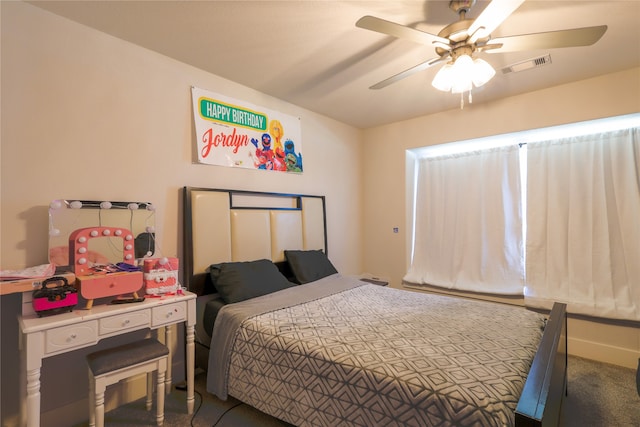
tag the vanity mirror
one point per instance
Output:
(66, 216)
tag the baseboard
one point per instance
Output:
(603, 353)
(77, 412)
(68, 415)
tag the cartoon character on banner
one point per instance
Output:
(274, 157)
(293, 160)
(265, 156)
(276, 131)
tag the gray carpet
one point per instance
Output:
(600, 395)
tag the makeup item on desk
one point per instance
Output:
(50, 300)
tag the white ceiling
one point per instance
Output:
(311, 54)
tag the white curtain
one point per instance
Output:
(468, 222)
(583, 224)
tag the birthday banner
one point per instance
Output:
(234, 133)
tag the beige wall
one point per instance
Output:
(385, 253)
(89, 116)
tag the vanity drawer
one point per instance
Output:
(123, 322)
(168, 314)
(69, 337)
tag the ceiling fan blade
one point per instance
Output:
(491, 17)
(400, 31)
(585, 36)
(406, 73)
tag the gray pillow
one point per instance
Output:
(239, 281)
(308, 266)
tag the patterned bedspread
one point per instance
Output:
(375, 356)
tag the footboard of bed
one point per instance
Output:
(542, 395)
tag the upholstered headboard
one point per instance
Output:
(235, 225)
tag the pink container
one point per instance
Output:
(54, 299)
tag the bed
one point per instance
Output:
(280, 329)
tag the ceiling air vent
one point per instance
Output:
(528, 64)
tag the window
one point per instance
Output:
(552, 214)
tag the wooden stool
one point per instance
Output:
(109, 366)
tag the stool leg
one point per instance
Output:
(160, 395)
(149, 390)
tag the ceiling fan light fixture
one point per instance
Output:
(442, 81)
(455, 76)
(461, 86)
(461, 75)
(482, 72)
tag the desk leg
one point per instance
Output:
(33, 397)
(191, 362)
(31, 351)
(169, 344)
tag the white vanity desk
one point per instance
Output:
(61, 333)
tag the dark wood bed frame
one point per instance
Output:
(541, 399)
(546, 385)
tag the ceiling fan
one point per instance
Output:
(456, 43)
